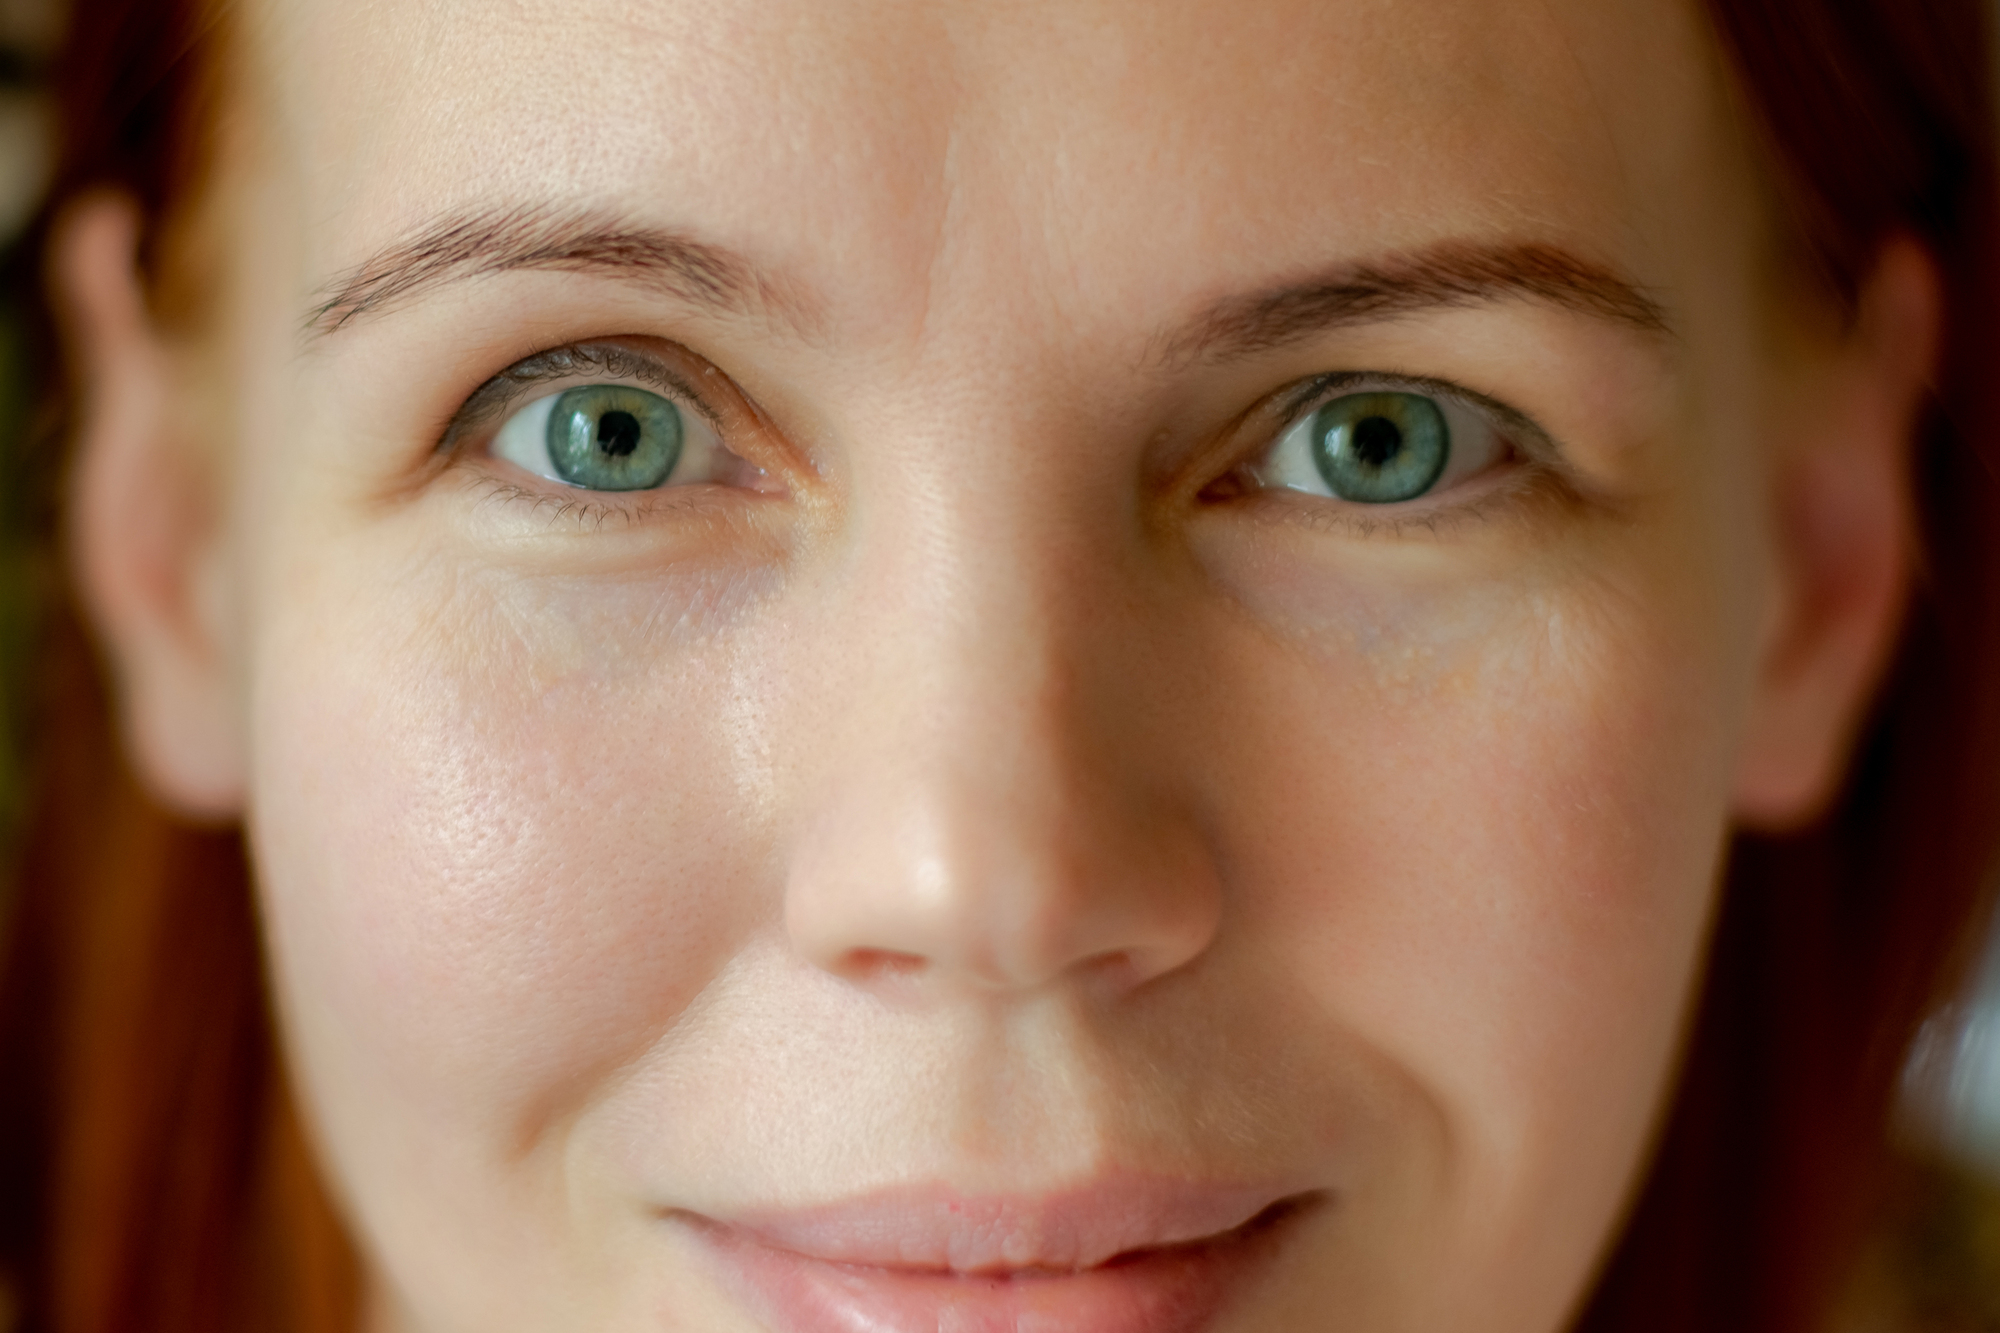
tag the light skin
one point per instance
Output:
(996, 779)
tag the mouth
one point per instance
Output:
(1116, 1258)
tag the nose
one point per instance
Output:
(1007, 806)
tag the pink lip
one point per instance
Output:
(1119, 1257)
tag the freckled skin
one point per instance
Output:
(1232, 840)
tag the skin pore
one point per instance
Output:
(994, 773)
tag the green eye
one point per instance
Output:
(1380, 448)
(612, 437)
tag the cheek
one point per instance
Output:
(1534, 846)
(1482, 822)
(505, 830)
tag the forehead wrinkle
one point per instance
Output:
(503, 239)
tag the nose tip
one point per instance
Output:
(1001, 785)
(930, 880)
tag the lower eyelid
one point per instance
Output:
(576, 509)
(1518, 487)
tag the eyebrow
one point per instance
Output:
(503, 240)
(1454, 275)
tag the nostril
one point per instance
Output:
(938, 884)
(886, 963)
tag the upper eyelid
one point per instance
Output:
(509, 386)
(504, 390)
(1520, 430)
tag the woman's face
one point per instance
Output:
(1190, 603)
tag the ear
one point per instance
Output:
(1846, 539)
(144, 533)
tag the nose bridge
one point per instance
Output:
(984, 818)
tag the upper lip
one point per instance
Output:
(937, 1229)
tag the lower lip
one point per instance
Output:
(1177, 1290)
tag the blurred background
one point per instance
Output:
(1935, 1265)
(28, 33)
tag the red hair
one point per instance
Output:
(1834, 945)
(152, 1176)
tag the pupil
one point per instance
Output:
(1377, 440)
(618, 433)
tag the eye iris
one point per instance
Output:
(611, 437)
(1380, 448)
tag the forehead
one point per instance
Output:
(914, 148)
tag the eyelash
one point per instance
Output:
(1315, 391)
(579, 510)
(490, 405)
(1531, 482)
(1535, 461)
(493, 399)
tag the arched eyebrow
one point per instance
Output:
(500, 240)
(1449, 276)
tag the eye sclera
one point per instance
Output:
(505, 418)
(1482, 436)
